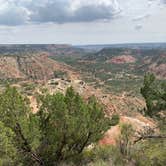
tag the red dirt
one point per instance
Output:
(122, 59)
(138, 124)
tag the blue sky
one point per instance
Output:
(82, 21)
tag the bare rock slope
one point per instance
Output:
(35, 66)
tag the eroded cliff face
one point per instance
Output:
(156, 65)
(9, 68)
(35, 66)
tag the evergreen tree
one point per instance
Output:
(69, 125)
(16, 115)
(63, 127)
(154, 93)
(8, 153)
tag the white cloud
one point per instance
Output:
(15, 12)
(84, 21)
(12, 14)
(74, 11)
(138, 27)
(141, 17)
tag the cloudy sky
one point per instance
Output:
(82, 21)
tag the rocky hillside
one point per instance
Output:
(156, 64)
(143, 60)
(117, 60)
(31, 66)
(126, 106)
(121, 59)
(51, 49)
(119, 69)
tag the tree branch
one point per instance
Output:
(150, 137)
(25, 145)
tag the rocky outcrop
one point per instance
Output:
(139, 123)
(9, 68)
(122, 59)
(159, 70)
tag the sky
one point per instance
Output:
(80, 22)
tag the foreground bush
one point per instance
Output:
(63, 127)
